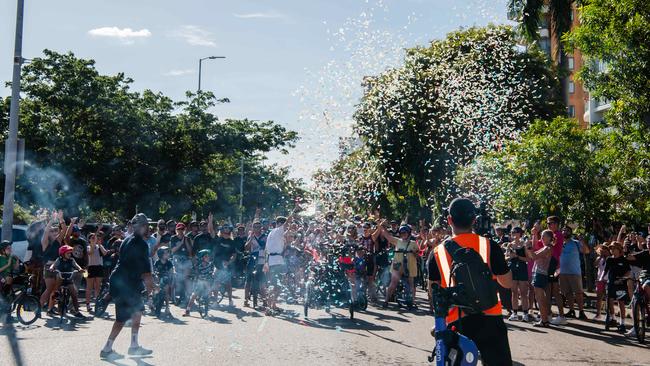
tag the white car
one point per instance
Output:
(19, 240)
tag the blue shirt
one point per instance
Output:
(570, 258)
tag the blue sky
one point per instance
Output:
(297, 62)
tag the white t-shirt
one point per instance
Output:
(275, 245)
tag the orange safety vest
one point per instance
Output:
(444, 260)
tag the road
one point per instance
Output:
(235, 336)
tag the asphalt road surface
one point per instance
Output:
(242, 336)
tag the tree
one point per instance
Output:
(552, 170)
(529, 15)
(94, 144)
(460, 97)
(616, 34)
(614, 38)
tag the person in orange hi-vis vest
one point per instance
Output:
(487, 330)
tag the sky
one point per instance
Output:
(299, 63)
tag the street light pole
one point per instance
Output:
(241, 191)
(11, 146)
(201, 60)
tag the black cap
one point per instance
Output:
(462, 212)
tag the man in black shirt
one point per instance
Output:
(133, 267)
(486, 329)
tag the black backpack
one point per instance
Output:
(479, 290)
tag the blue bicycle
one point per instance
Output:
(452, 348)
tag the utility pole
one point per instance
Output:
(11, 145)
(241, 191)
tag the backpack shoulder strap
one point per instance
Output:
(451, 246)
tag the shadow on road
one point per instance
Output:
(427, 351)
(67, 325)
(598, 333)
(241, 314)
(139, 361)
(512, 326)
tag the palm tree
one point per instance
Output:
(529, 15)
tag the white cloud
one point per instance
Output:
(195, 36)
(126, 35)
(261, 15)
(179, 72)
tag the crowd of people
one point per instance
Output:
(187, 260)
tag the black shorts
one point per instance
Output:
(618, 292)
(127, 305)
(490, 335)
(95, 271)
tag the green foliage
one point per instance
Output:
(22, 216)
(462, 96)
(551, 170)
(94, 144)
(616, 32)
(529, 15)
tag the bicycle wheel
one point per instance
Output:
(218, 296)
(638, 319)
(351, 304)
(63, 306)
(307, 298)
(28, 309)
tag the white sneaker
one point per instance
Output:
(513, 317)
(559, 320)
(631, 333)
(230, 303)
(527, 318)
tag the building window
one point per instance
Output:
(570, 63)
(571, 111)
(572, 87)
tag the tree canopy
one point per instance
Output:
(457, 98)
(94, 144)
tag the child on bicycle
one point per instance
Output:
(203, 273)
(66, 264)
(8, 263)
(164, 270)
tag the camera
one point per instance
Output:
(442, 220)
(483, 223)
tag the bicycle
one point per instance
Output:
(452, 348)
(404, 292)
(640, 311)
(21, 300)
(103, 298)
(64, 293)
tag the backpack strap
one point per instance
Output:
(450, 247)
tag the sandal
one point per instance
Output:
(542, 324)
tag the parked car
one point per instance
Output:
(19, 240)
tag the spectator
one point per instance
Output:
(570, 273)
(601, 279)
(619, 288)
(553, 289)
(95, 268)
(542, 258)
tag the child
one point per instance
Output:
(8, 263)
(164, 271)
(66, 264)
(204, 272)
(619, 286)
(601, 279)
(542, 259)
